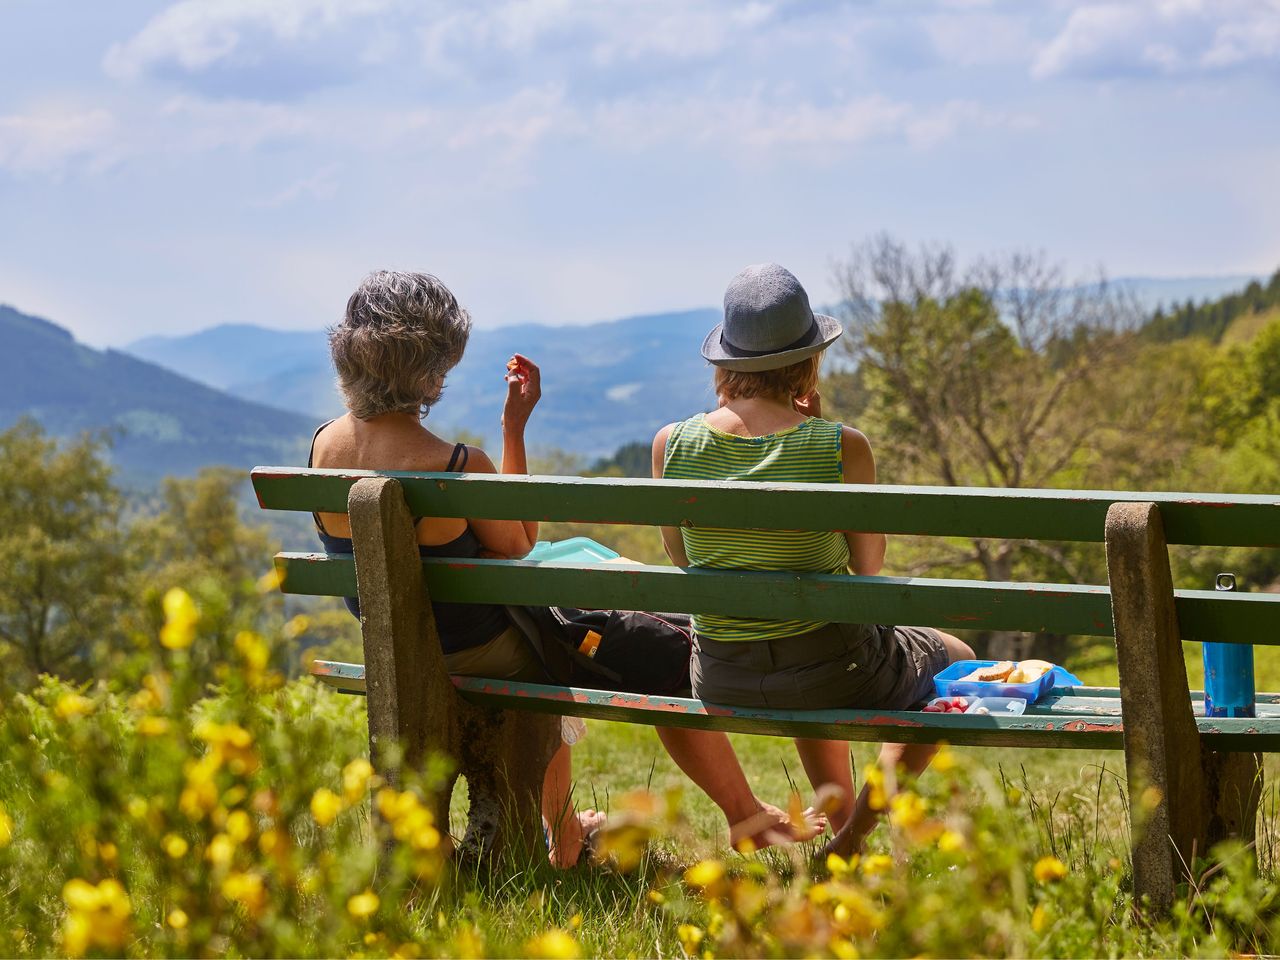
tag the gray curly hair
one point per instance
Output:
(401, 334)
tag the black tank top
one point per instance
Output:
(461, 625)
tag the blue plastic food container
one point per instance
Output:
(948, 682)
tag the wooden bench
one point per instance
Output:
(1198, 778)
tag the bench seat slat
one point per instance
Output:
(947, 604)
(1040, 727)
(1189, 518)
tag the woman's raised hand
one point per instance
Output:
(524, 389)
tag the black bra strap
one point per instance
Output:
(311, 456)
(458, 461)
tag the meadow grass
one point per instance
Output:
(167, 818)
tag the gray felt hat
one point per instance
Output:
(767, 323)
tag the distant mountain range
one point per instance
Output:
(604, 384)
(161, 422)
(242, 395)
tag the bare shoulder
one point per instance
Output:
(478, 461)
(660, 448)
(858, 460)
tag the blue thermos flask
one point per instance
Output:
(1228, 671)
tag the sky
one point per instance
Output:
(169, 166)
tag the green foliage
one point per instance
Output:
(1212, 318)
(63, 563)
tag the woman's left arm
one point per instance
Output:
(866, 550)
(671, 539)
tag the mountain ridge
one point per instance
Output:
(161, 422)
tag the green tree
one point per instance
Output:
(192, 534)
(63, 568)
(994, 375)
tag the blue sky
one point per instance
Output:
(166, 166)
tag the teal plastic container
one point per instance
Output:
(573, 550)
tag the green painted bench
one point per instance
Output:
(1200, 776)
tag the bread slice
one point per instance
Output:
(992, 674)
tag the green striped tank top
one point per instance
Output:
(807, 453)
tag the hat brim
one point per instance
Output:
(824, 332)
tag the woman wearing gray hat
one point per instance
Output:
(769, 428)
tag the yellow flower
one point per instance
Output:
(945, 760)
(221, 850)
(253, 649)
(97, 916)
(325, 806)
(355, 779)
(876, 798)
(238, 826)
(555, 944)
(876, 864)
(951, 842)
(1049, 869)
(138, 807)
(363, 905)
(270, 581)
(657, 897)
(180, 619)
(837, 865)
(690, 936)
(247, 889)
(1039, 918)
(906, 809)
(72, 705)
(175, 846)
(231, 744)
(177, 918)
(6, 828)
(705, 873)
(296, 627)
(153, 726)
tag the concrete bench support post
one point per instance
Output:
(415, 712)
(1161, 743)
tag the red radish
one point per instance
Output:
(934, 708)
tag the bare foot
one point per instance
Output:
(575, 835)
(770, 826)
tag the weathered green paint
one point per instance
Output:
(956, 604)
(1039, 729)
(1189, 518)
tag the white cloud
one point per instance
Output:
(321, 185)
(765, 125)
(199, 125)
(195, 34)
(1163, 37)
(47, 141)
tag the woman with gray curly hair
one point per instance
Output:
(401, 335)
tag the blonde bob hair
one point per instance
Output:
(401, 334)
(786, 383)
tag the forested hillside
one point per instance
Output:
(1212, 318)
(159, 423)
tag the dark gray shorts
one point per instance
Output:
(839, 666)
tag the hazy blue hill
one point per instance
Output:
(604, 384)
(163, 423)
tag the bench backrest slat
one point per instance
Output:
(1202, 519)
(956, 604)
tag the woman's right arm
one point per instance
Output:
(511, 538)
(866, 550)
(671, 539)
(505, 538)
